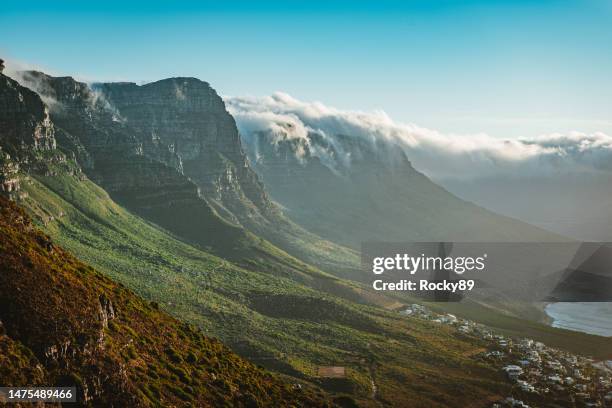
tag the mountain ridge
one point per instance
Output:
(392, 200)
(270, 307)
(197, 154)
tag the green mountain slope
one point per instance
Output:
(270, 319)
(265, 304)
(63, 323)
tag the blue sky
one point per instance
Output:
(508, 68)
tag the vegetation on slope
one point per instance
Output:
(267, 305)
(66, 324)
(274, 317)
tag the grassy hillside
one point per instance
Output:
(276, 317)
(63, 323)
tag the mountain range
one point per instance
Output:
(151, 188)
(375, 196)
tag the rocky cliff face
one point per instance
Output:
(137, 170)
(112, 153)
(183, 123)
(24, 119)
(88, 124)
(171, 152)
(27, 136)
(167, 134)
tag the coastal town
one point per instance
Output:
(540, 376)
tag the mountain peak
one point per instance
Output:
(184, 84)
(193, 81)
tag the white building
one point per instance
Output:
(513, 371)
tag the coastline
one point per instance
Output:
(586, 317)
(544, 317)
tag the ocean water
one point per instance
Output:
(587, 317)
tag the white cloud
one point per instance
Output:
(15, 67)
(17, 70)
(440, 155)
(21, 72)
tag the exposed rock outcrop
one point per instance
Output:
(24, 120)
(9, 178)
(107, 311)
(27, 137)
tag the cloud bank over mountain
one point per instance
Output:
(439, 155)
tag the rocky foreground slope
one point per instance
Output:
(63, 323)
